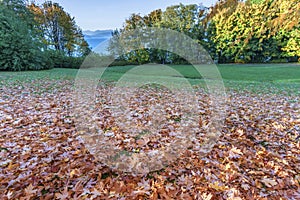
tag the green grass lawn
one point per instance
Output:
(254, 77)
(261, 72)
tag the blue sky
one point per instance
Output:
(101, 15)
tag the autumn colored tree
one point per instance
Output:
(59, 29)
(231, 31)
(254, 32)
(285, 26)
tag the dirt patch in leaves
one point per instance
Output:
(256, 157)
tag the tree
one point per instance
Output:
(20, 48)
(285, 25)
(59, 29)
(254, 32)
(186, 19)
(231, 31)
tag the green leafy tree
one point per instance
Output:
(183, 18)
(20, 48)
(187, 19)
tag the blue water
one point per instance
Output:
(94, 42)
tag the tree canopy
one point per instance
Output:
(20, 48)
(231, 30)
(38, 37)
(59, 29)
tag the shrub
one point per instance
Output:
(60, 60)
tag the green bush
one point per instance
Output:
(60, 60)
(279, 60)
(123, 63)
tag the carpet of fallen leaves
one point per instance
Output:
(257, 156)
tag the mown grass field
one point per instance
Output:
(266, 78)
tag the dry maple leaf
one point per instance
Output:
(95, 193)
(74, 172)
(64, 195)
(29, 190)
(217, 186)
(269, 182)
(245, 186)
(235, 153)
(235, 198)
(206, 196)
(9, 194)
(169, 187)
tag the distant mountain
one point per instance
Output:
(94, 38)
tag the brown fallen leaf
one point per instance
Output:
(269, 182)
(29, 190)
(64, 195)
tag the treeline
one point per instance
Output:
(36, 37)
(231, 31)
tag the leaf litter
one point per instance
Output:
(41, 157)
